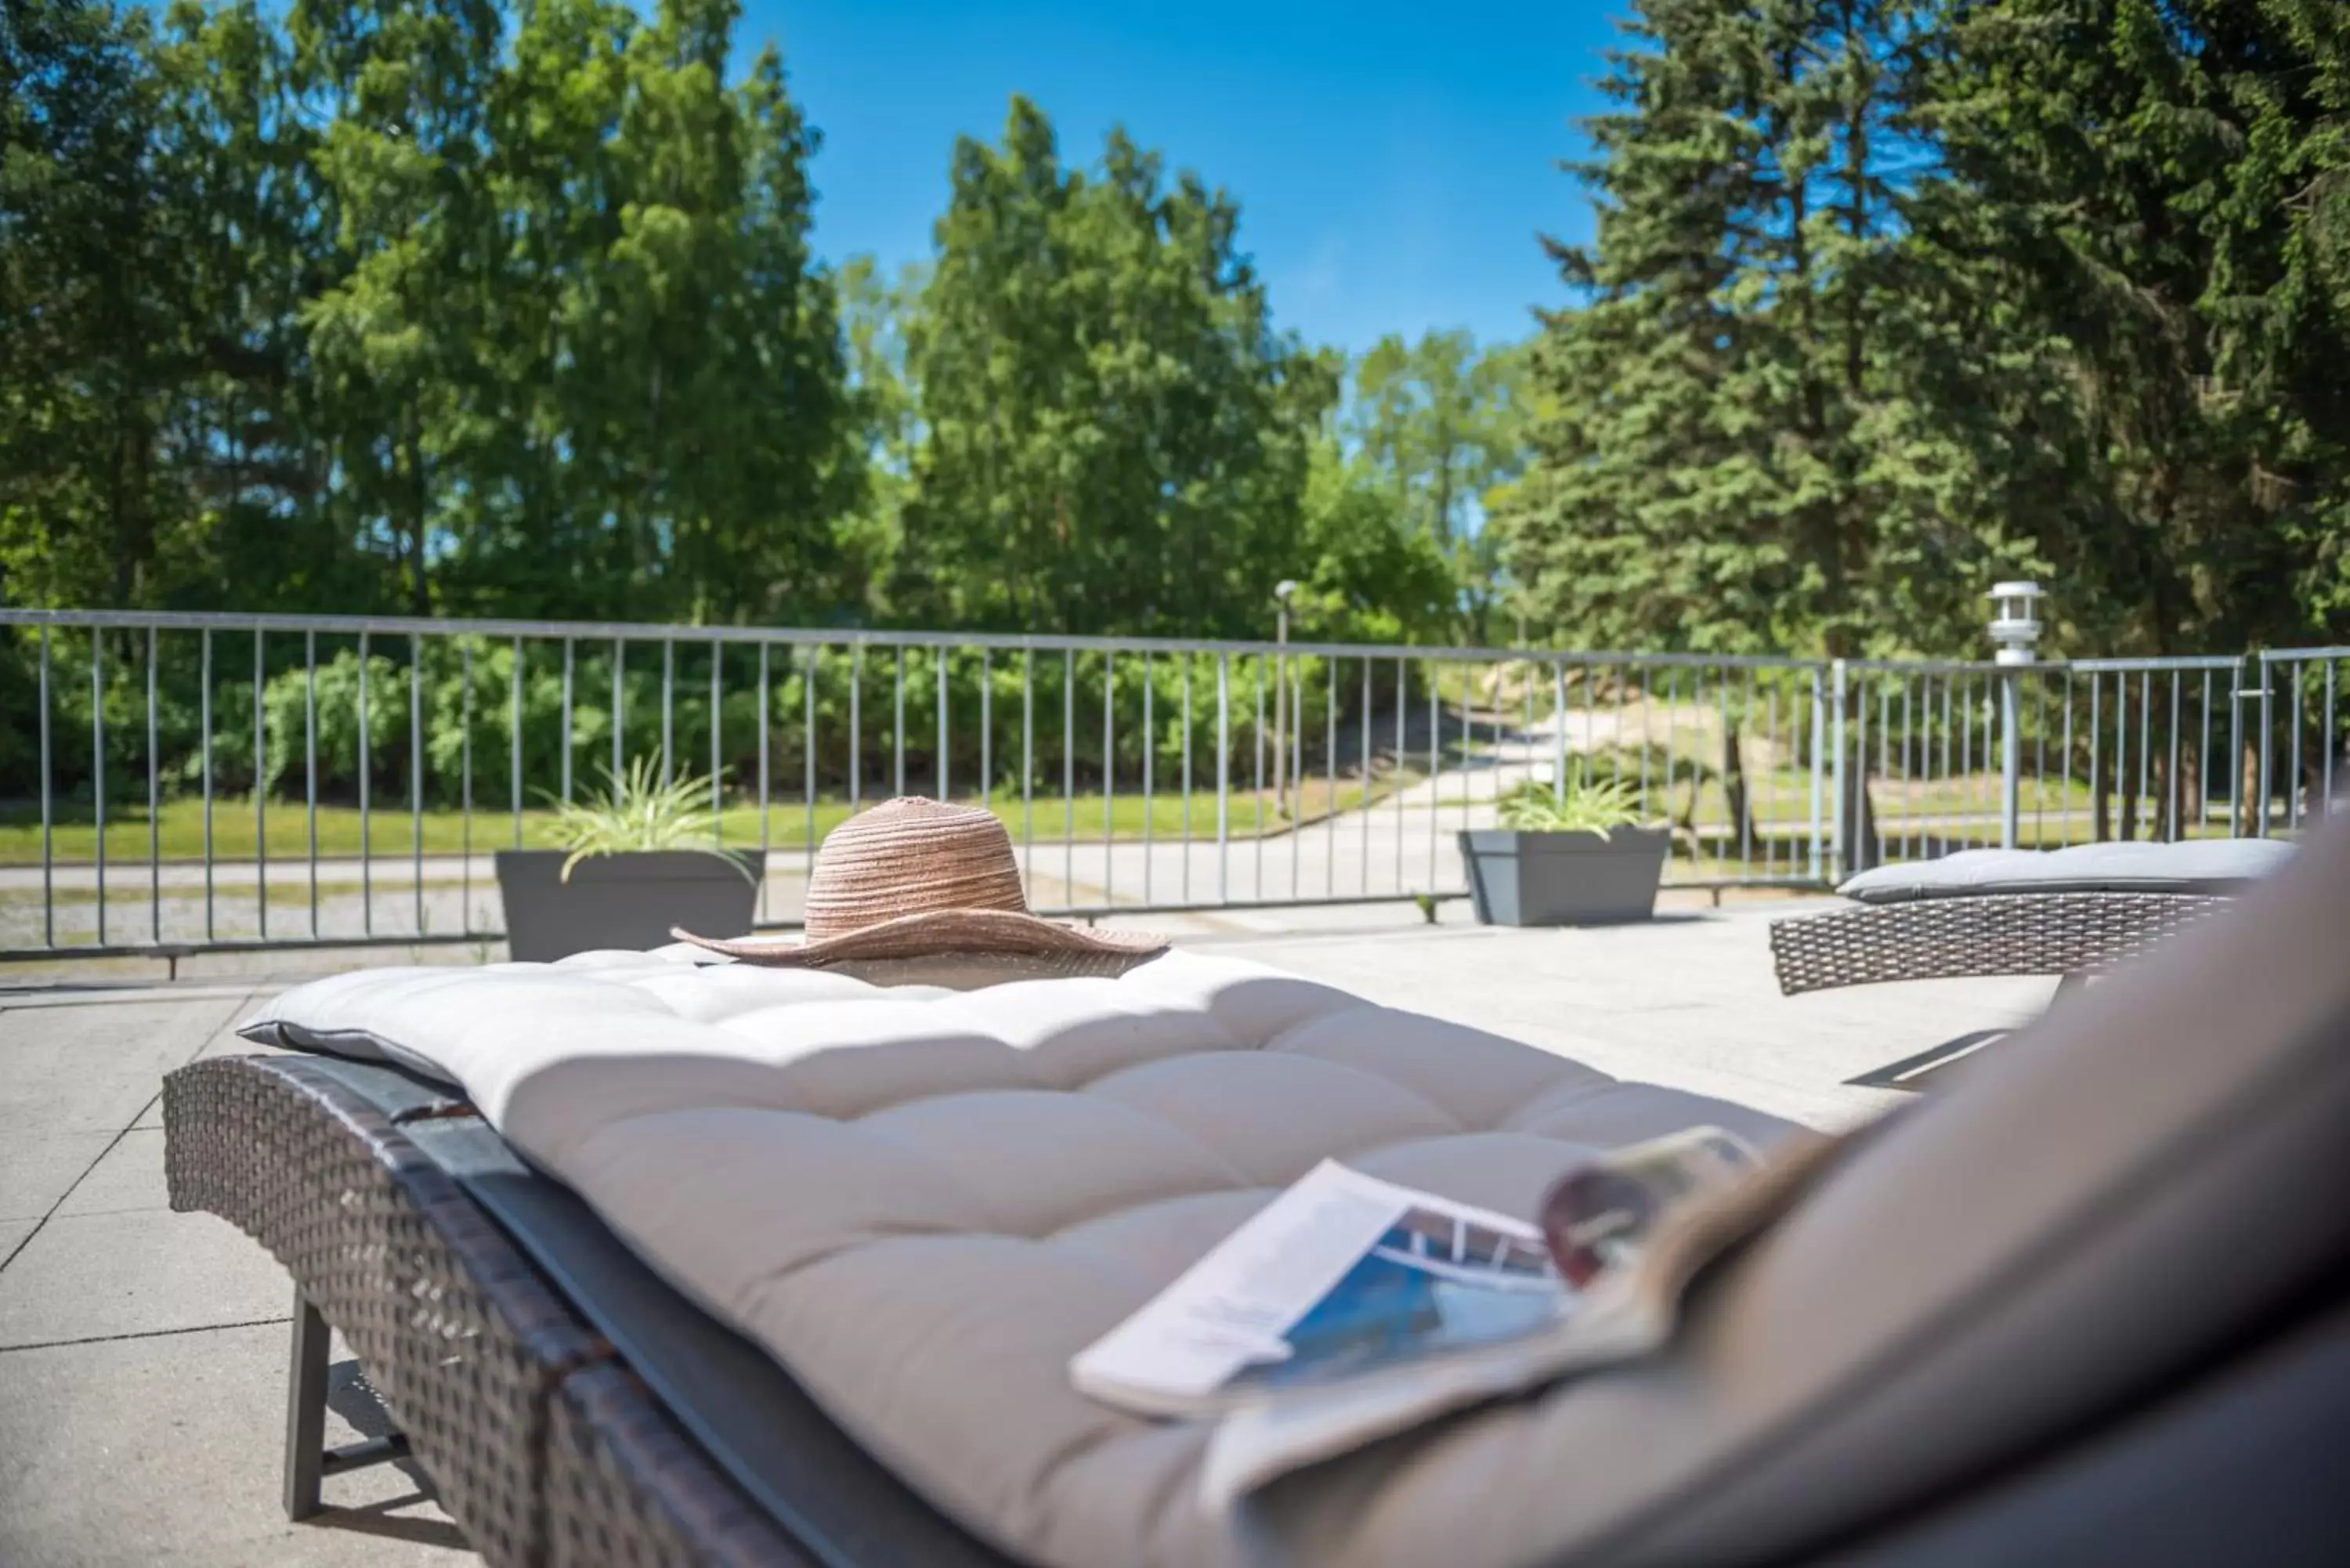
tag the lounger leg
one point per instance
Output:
(305, 1410)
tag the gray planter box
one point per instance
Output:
(1564, 878)
(622, 901)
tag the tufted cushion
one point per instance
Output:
(2189, 865)
(924, 1198)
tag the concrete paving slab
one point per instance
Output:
(128, 1178)
(166, 1448)
(90, 1276)
(38, 1169)
(11, 1235)
(1688, 1001)
(93, 1068)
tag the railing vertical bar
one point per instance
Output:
(1402, 758)
(2264, 789)
(564, 759)
(619, 708)
(156, 808)
(97, 758)
(2123, 830)
(465, 788)
(668, 711)
(310, 764)
(1187, 777)
(1223, 775)
(261, 794)
(1558, 730)
(1468, 742)
(898, 724)
(1672, 745)
(367, 815)
(2096, 741)
(2293, 773)
(2330, 667)
(941, 772)
(2040, 761)
(1955, 817)
(1256, 796)
(1962, 798)
(2235, 762)
(717, 727)
(203, 721)
(2204, 760)
(416, 774)
(1363, 793)
(1648, 713)
(1818, 736)
(2171, 786)
(1616, 737)
(1746, 824)
(1109, 774)
(2065, 781)
(48, 808)
(855, 726)
(1149, 746)
(1909, 838)
(1330, 779)
(1884, 768)
(766, 723)
(1028, 761)
(2144, 813)
(810, 669)
(1697, 772)
(1769, 792)
(1437, 760)
(1068, 776)
(987, 727)
(514, 740)
(1294, 742)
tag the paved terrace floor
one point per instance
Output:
(142, 1352)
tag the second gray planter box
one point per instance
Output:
(1564, 878)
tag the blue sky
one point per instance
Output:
(1394, 162)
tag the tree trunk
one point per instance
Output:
(1733, 794)
(2250, 808)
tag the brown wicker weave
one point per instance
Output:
(1991, 934)
(465, 1343)
(626, 1488)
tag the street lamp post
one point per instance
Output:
(1281, 592)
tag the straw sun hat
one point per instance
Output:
(913, 877)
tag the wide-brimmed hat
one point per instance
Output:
(913, 877)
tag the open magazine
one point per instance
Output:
(1349, 1308)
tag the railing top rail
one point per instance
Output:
(844, 637)
(2133, 666)
(2044, 666)
(2302, 655)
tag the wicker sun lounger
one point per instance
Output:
(1848, 1380)
(570, 1407)
(1982, 913)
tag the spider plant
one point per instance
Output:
(1586, 806)
(636, 812)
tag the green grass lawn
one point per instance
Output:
(393, 832)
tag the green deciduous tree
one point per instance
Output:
(1113, 435)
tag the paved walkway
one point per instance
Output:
(142, 1352)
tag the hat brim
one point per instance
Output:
(936, 931)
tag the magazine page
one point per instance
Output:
(1341, 1277)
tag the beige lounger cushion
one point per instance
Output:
(924, 1200)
